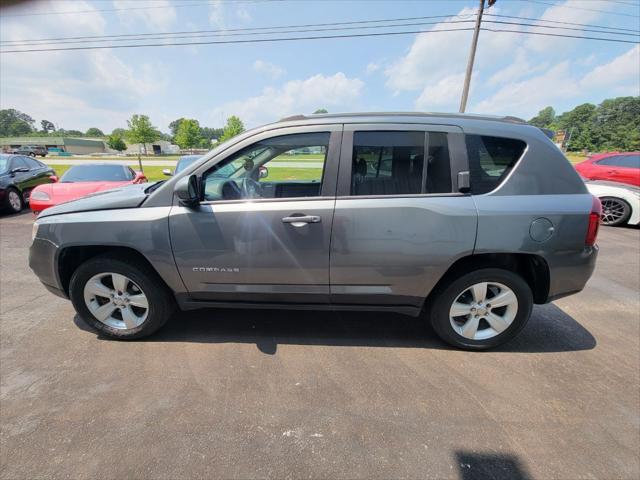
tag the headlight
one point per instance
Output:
(40, 195)
(34, 230)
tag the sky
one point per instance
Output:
(514, 74)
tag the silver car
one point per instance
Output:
(464, 221)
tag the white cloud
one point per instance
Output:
(435, 56)
(372, 67)
(446, 92)
(160, 15)
(243, 14)
(268, 69)
(521, 66)
(622, 73)
(620, 76)
(80, 88)
(217, 14)
(576, 11)
(295, 96)
(526, 97)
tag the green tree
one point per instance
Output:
(578, 123)
(233, 127)
(14, 122)
(617, 124)
(321, 110)
(119, 131)
(47, 126)
(141, 131)
(94, 132)
(173, 126)
(544, 118)
(210, 134)
(188, 134)
(115, 142)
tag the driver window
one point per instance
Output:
(288, 166)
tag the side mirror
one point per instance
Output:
(53, 178)
(167, 172)
(19, 169)
(188, 191)
(263, 172)
(139, 178)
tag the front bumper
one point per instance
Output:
(43, 256)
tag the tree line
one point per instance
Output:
(185, 132)
(613, 125)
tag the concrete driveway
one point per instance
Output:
(267, 394)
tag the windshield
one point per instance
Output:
(97, 173)
(185, 161)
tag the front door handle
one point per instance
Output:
(302, 220)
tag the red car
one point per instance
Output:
(623, 167)
(81, 180)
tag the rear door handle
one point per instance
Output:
(302, 220)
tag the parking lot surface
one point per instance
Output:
(257, 394)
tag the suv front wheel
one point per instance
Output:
(481, 309)
(120, 297)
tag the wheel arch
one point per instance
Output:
(70, 258)
(532, 268)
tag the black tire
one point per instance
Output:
(442, 299)
(31, 154)
(7, 203)
(160, 298)
(622, 211)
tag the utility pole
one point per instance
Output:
(472, 56)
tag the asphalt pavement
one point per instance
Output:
(269, 394)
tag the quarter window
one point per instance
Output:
(288, 166)
(490, 160)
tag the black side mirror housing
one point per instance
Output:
(188, 191)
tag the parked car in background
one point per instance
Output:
(19, 175)
(455, 218)
(31, 150)
(183, 162)
(620, 202)
(623, 167)
(82, 180)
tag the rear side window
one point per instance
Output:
(393, 163)
(490, 160)
(628, 161)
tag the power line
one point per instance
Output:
(354, 22)
(582, 8)
(146, 7)
(564, 23)
(158, 35)
(199, 35)
(321, 37)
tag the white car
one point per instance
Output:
(620, 202)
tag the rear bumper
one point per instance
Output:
(569, 273)
(43, 256)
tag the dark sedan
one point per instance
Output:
(19, 175)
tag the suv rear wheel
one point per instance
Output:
(122, 298)
(481, 309)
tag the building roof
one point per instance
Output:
(51, 141)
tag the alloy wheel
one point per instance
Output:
(613, 211)
(14, 201)
(116, 301)
(483, 310)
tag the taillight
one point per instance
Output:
(594, 222)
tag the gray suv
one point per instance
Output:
(466, 221)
